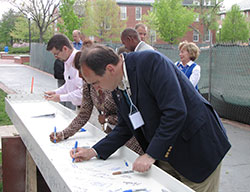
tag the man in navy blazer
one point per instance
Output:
(180, 129)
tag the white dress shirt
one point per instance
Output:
(72, 89)
(124, 84)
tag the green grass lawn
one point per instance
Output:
(4, 119)
(27, 63)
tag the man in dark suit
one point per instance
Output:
(174, 124)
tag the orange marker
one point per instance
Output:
(32, 84)
(122, 172)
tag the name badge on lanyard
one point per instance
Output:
(134, 115)
(136, 120)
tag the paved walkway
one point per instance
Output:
(16, 78)
(235, 173)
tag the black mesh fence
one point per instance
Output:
(41, 58)
(230, 82)
(228, 66)
(225, 75)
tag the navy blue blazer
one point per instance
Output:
(181, 127)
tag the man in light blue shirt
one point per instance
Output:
(77, 40)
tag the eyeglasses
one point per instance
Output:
(56, 54)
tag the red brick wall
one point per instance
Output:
(131, 22)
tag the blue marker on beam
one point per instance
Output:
(74, 151)
(134, 190)
(82, 130)
(126, 163)
(55, 134)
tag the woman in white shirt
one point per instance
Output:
(189, 52)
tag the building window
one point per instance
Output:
(55, 26)
(195, 36)
(197, 18)
(123, 13)
(207, 2)
(92, 38)
(222, 17)
(107, 25)
(152, 36)
(138, 13)
(207, 36)
(196, 2)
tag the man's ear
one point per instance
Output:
(64, 48)
(110, 68)
(129, 38)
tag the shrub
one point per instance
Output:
(17, 50)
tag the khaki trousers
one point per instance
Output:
(211, 184)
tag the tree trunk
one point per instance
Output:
(41, 36)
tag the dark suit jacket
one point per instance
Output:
(181, 127)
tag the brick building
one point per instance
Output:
(132, 10)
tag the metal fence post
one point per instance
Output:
(210, 70)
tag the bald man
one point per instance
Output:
(77, 40)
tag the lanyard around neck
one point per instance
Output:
(129, 101)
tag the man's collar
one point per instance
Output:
(79, 43)
(72, 54)
(124, 84)
(138, 46)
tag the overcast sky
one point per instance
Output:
(229, 3)
(5, 6)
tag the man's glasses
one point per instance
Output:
(56, 54)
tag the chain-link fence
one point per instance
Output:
(225, 75)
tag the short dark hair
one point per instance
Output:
(58, 41)
(130, 32)
(122, 49)
(98, 57)
(77, 60)
(87, 43)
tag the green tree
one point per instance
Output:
(102, 19)
(7, 24)
(42, 12)
(21, 30)
(234, 27)
(170, 19)
(70, 20)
